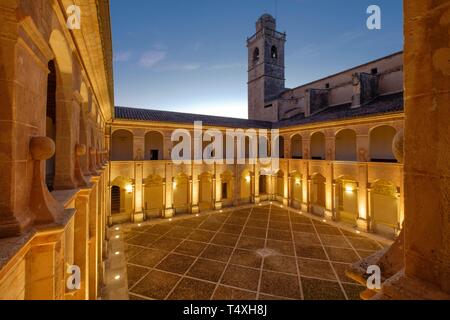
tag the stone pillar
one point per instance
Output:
(195, 193)
(81, 240)
(329, 175)
(286, 180)
(217, 192)
(427, 132)
(93, 228)
(139, 145)
(67, 108)
(362, 221)
(138, 192)
(335, 211)
(167, 145)
(330, 145)
(257, 198)
(169, 210)
(362, 146)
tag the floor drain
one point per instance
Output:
(266, 252)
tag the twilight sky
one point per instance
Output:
(191, 55)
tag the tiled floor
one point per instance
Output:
(246, 254)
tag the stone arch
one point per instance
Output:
(153, 195)
(345, 145)
(318, 146)
(154, 146)
(122, 145)
(380, 143)
(122, 195)
(297, 146)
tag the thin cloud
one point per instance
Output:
(227, 66)
(181, 67)
(151, 58)
(122, 56)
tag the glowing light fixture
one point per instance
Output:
(117, 277)
(170, 220)
(297, 181)
(174, 185)
(324, 220)
(129, 188)
(248, 179)
(117, 237)
(117, 253)
(349, 189)
(358, 232)
(139, 224)
(117, 228)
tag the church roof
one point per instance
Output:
(385, 104)
(187, 118)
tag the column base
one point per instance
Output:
(195, 209)
(138, 217)
(256, 199)
(362, 224)
(218, 205)
(328, 214)
(304, 207)
(168, 213)
(285, 202)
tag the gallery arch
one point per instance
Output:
(381, 139)
(346, 145)
(154, 146)
(318, 146)
(297, 147)
(246, 182)
(122, 145)
(122, 196)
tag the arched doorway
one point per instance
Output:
(346, 145)
(381, 139)
(317, 194)
(297, 147)
(122, 146)
(122, 196)
(153, 196)
(154, 146)
(346, 200)
(318, 146)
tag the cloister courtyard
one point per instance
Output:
(246, 253)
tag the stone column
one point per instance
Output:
(257, 198)
(362, 145)
(329, 175)
(138, 192)
(217, 192)
(139, 145)
(362, 221)
(427, 134)
(81, 240)
(168, 210)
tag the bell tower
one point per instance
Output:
(266, 77)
